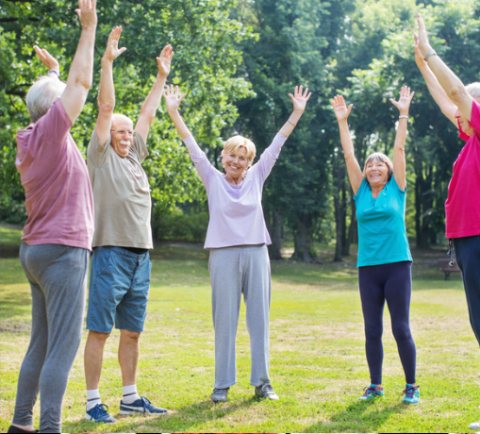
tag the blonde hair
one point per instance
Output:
(233, 144)
(378, 156)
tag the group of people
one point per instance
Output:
(105, 207)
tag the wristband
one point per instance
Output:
(292, 123)
(52, 71)
(432, 53)
(403, 117)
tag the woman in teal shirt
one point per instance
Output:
(384, 259)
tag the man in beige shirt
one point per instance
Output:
(120, 276)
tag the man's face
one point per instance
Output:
(122, 135)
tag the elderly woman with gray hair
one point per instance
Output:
(384, 259)
(461, 105)
(237, 239)
(58, 233)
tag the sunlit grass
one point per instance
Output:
(318, 363)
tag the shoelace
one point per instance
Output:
(101, 409)
(145, 401)
(410, 391)
(369, 391)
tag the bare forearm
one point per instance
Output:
(290, 125)
(81, 70)
(106, 95)
(179, 124)
(353, 168)
(438, 93)
(150, 106)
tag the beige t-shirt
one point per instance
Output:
(121, 195)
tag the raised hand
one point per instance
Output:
(300, 99)
(87, 12)
(403, 104)
(340, 108)
(419, 58)
(47, 59)
(422, 37)
(165, 61)
(173, 97)
(112, 51)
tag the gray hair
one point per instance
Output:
(474, 90)
(378, 156)
(42, 95)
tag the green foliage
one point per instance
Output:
(206, 61)
(183, 227)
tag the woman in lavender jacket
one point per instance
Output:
(237, 238)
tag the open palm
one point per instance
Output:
(406, 97)
(112, 51)
(173, 97)
(340, 108)
(165, 60)
(300, 98)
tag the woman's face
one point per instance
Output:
(236, 165)
(377, 173)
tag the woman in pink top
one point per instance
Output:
(237, 238)
(58, 233)
(460, 104)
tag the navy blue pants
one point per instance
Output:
(391, 283)
(468, 258)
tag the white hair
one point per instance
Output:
(42, 95)
(474, 90)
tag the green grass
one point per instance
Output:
(318, 362)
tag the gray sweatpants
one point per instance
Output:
(234, 271)
(57, 278)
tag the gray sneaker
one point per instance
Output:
(265, 391)
(220, 395)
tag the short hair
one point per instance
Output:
(42, 95)
(118, 116)
(233, 144)
(378, 156)
(474, 90)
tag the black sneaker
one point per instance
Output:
(142, 405)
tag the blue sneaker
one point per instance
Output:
(371, 393)
(99, 414)
(142, 405)
(412, 395)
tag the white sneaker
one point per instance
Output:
(475, 426)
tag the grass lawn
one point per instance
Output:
(318, 364)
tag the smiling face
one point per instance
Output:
(236, 163)
(122, 135)
(378, 170)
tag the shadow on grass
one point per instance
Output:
(182, 420)
(355, 415)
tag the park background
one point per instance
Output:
(238, 60)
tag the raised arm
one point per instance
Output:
(106, 95)
(299, 100)
(150, 106)
(173, 98)
(439, 95)
(451, 84)
(80, 75)
(342, 113)
(399, 161)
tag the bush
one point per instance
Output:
(183, 227)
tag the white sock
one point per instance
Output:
(130, 394)
(93, 398)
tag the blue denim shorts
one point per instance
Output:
(119, 287)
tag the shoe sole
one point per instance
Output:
(91, 419)
(124, 412)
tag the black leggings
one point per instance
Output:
(391, 283)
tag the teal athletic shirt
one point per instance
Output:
(382, 237)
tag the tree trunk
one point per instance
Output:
(274, 222)
(345, 241)
(304, 247)
(339, 174)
